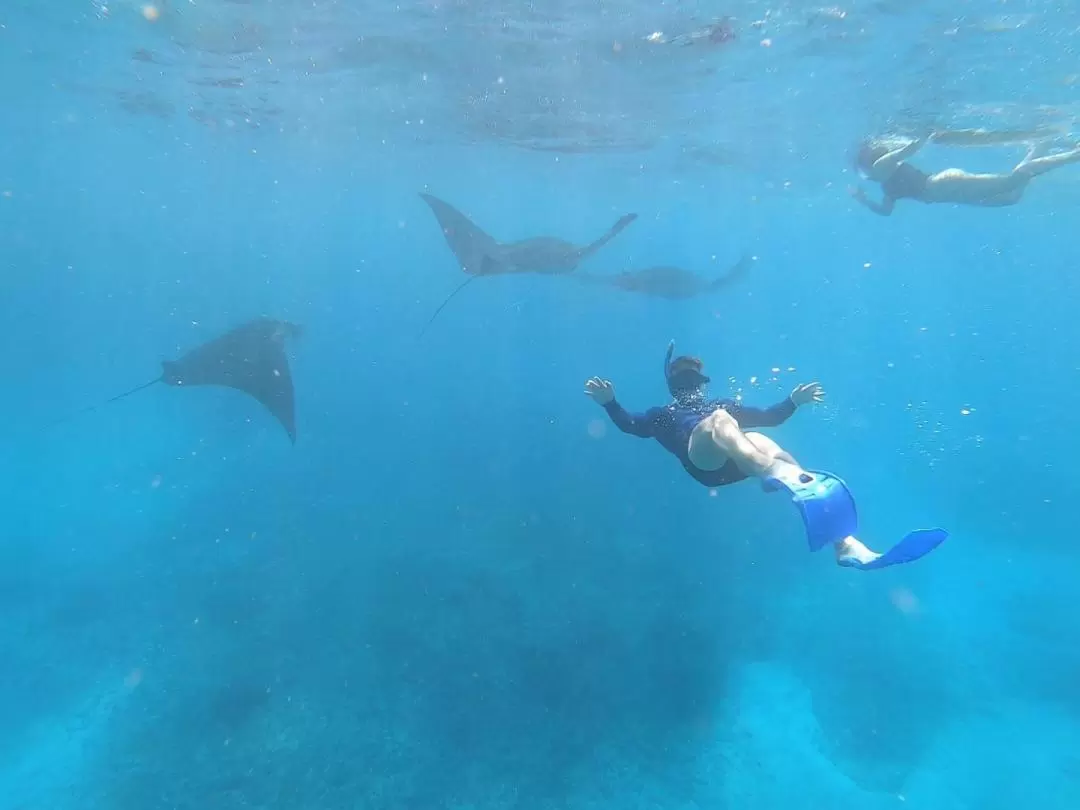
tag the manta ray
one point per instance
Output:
(479, 254)
(672, 283)
(249, 358)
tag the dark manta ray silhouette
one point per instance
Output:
(672, 283)
(250, 358)
(480, 255)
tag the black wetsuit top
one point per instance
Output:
(906, 182)
(672, 425)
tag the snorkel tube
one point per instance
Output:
(667, 362)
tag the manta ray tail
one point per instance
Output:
(134, 390)
(442, 306)
(91, 408)
(737, 271)
(616, 229)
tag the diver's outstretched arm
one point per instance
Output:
(602, 392)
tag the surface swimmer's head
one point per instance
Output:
(868, 153)
(685, 376)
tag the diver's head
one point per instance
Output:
(685, 377)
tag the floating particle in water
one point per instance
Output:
(775, 370)
(597, 429)
(151, 12)
(753, 380)
(904, 600)
(134, 678)
(155, 482)
(967, 411)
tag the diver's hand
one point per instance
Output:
(806, 393)
(599, 391)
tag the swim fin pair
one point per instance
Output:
(827, 508)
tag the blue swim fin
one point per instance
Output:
(915, 544)
(825, 504)
(828, 511)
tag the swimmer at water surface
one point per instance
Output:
(885, 163)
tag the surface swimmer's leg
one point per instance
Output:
(1037, 163)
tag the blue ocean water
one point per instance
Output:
(463, 587)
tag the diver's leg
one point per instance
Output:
(702, 450)
(751, 457)
(850, 548)
(718, 439)
(771, 449)
(758, 455)
(768, 446)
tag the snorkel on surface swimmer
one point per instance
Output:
(685, 380)
(866, 154)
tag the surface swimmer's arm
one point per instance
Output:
(883, 208)
(635, 424)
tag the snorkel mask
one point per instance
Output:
(683, 374)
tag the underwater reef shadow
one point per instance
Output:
(525, 665)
